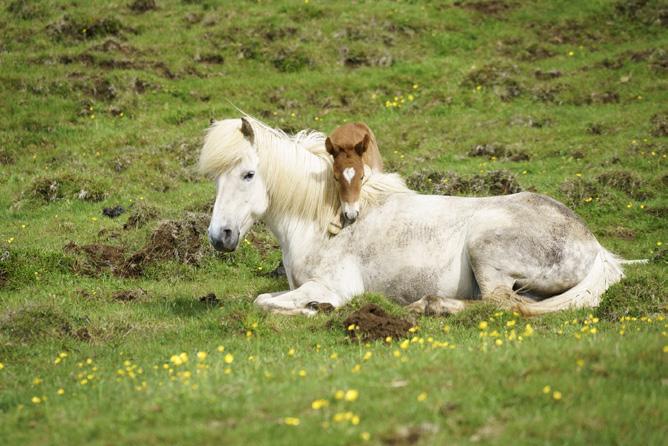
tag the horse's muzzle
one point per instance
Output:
(226, 240)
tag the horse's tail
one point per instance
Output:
(605, 271)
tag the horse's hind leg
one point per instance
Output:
(496, 281)
(436, 306)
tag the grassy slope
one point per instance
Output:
(472, 78)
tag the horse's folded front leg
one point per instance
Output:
(297, 301)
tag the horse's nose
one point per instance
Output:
(226, 239)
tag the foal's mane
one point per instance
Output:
(296, 169)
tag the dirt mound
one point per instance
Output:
(660, 124)
(48, 189)
(141, 214)
(371, 322)
(128, 295)
(496, 182)
(81, 28)
(6, 158)
(113, 212)
(141, 6)
(625, 181)
(498, 76)
(486, 7)
(179, 240)
(94, 259)
(498, 151)
(209, 299)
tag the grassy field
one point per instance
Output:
(106, 336)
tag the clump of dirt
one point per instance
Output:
(498, 151)
(579, 191)
(595, 128)
(372, 322)
(94, 259)
(643, 11)
(290, 60)
(486, 7)
(141, 6)
(25, 9)
(49, 189)
(621, 232)
(209, 299)
(113, 212)
(141, 214)
(408, 435)
(359, 57)
(567, 32)
(534, 52)
(112, 45)
(606, 97)
(496, 182)
(82, 28)
(34, 321)
(128, 295)
(102, 89)
(497, 76)
(179, 240)
(625, 181)
(210, 58)
(6, 158)
(546, 75)
(659, 124)
(548, 93)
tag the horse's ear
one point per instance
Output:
(247, 130)
(361, 146)
(330, 147)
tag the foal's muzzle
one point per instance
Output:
(225, 239)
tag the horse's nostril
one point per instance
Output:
(227, 233)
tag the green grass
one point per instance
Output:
(118, 111)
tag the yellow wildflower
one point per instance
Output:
(291, 421)
(483, 325)
(302, 373)
(365, 436)
(422, 396)
(36, 400)
(556, 395)
(61, 391)
(201, 356)
(339, 394)
(546, 389)
(229, 358)
(366, 357)
(351, 395)
(221, 348)
(319, 404)
(291, 352)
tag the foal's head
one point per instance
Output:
(347, 144)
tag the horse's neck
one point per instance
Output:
(297, 237)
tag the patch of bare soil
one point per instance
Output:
(79, 28)
(113, 212)
(113, 45)
(546, 75)
(372, 322)
(6, 158)
(357, 57)
(569, 32)
(644, 11)
(498, 76)
(408, 435)
(659, 124)
(498, 151)
(494, 8)
(209, 299)
(210, 58)
(578, 191)
(94, 259)
(128, 295)
(141, 6)
(110, 63)
(621, 232)
(141, 214)
(179, 240)
(49, 189)
(496, 182)
(625, 181)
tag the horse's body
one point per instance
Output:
(431, 252)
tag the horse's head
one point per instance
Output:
(349, 173)
(241, 195)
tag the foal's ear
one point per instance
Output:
(330, 147)
(247, 130)
(361, 146)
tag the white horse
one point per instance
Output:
(526, 251)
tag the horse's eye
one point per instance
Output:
(249, 175)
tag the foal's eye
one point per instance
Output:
(249, 175)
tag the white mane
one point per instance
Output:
(297, 169)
